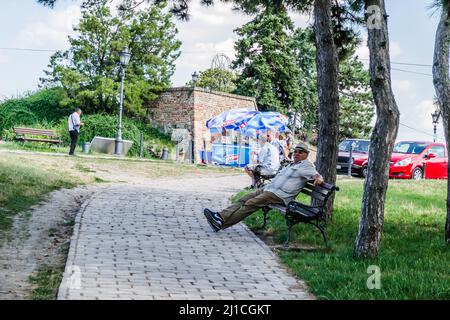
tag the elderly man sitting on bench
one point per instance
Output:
(268, 162)
(284, 188)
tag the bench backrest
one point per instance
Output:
(320, 193)
(36, 132)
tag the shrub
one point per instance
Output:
(42, 107)
(12, 114)
(106, 126)
(46, 104)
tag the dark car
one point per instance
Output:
(360, 155)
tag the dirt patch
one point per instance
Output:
(38, 237)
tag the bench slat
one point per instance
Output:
(314, 195)
(33, 132)
(324, 188)
(23, 134)
(39, 140)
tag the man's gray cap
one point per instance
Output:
(302, 146)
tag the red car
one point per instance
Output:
(410, 159)
(360, 155)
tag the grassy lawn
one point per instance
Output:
(23, 184)
(25, 179)
(414, 260)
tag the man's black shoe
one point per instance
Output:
(214, 219)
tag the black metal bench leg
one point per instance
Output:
(265, 211)
(289, 226)
(322, 230)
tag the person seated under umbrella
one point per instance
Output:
(268, 162)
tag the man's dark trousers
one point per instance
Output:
(74, 140)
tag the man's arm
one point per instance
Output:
(318, 179)
(311, 173)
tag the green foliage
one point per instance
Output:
(279, 69)
(12, 114)
(413, 258)
(355, 100)
(103, 125)
(216, 79)
(40, 110)
(89, 70)
(267, 62)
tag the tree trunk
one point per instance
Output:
(327, 90)
(384, 134)
(441, 85)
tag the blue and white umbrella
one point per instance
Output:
(263, 121)
(230, 120)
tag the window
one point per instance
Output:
(358, 146)
(409, 147)
(438, 151)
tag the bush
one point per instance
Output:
(46, 104)
(12, 114)
(106, 126)
(40, 110)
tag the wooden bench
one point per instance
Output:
(296, 212)
(37, 135)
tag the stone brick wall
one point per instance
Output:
(173, 109)
(190, 109)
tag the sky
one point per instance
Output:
(28, 25)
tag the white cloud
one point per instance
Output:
(416, 122)
(301, 20)
(402, 87)
(363, 52)
(51, 31)
(209, 31)
(394, 49)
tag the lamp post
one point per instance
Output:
(124, 60)
(194, 78)
(435, 116)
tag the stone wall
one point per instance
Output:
(190, 108)
(173, 109)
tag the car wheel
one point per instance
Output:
(364, 172)
(417, 174)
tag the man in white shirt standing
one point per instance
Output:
(75, 124)
(268, 162)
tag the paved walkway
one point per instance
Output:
(153, 242)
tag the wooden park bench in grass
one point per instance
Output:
(296, 212)
(36, 135)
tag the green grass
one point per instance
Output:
(414, 259)
(37, 147)
(46, 281)
(22, 186)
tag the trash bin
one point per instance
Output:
(86, 146)
(165, 154)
